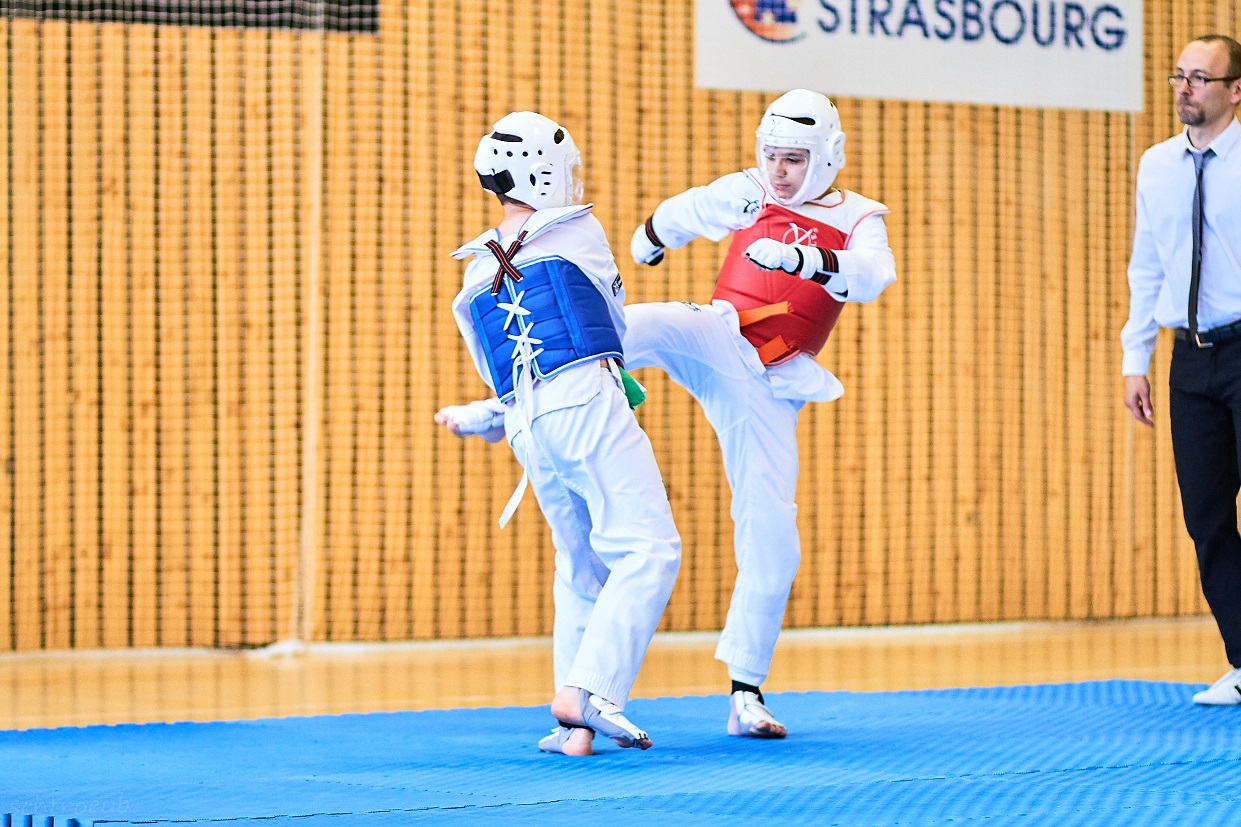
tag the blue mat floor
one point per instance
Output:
(1103, 753)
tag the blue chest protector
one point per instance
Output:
(552, 319)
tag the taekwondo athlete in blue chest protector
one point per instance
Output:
(542, 314)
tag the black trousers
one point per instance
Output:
(1204, 404)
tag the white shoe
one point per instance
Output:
(749, 718)
(1224, 692)
(565, 740)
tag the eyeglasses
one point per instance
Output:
(1197, 81)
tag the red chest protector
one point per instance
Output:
(780, 314)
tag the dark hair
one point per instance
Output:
(1234, 51)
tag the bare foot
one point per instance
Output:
(575, 741)
(579, 742)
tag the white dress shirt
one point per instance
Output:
(1163, 243)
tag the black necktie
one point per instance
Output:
(1195, 262)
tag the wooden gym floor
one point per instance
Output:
(82, 688)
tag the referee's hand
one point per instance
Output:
(1138, 399)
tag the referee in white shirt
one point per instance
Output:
(1185, 273)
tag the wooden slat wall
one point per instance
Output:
(154, 413)
(226, 293)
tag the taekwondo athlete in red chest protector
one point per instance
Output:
(801, 249)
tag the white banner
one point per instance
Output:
(1072, 54)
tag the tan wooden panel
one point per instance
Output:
(283, 329)
(1055, 346)
(459, 214)
(140, 119)
(942, 418)
(21, 451)
(244, 307)
(340, 394)
(988, 455)
(433, 280)
(81, 337)
(394, 375)
(885, 358)
(269, 346)
(912, 246)
(26, 435)
(54, 220)
(1033, 369)
(966, 381)
(1108, 258)
(1009, 316)
(203, 306)
(8, 617)
(309, 66)
(849, 430)
(1087, 339)
(173, 341)
(1079, 238)
(1128, 592)
(227, 199)
(392, 372)
(255, 294)
(116, 454)
(368, 481)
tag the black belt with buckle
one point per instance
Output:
(1215, 336)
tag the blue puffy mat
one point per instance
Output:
(1102, 753)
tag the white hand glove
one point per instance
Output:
(482, 417)
(643, 250)
(770, 254)
(795, 259)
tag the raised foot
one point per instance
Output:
(576, 706)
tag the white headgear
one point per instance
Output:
(531, 159)
(802, 119)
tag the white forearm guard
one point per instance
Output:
(645, 246)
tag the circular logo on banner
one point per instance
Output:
(774, 20)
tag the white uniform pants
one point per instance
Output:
(617, 548)
(700, 348)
